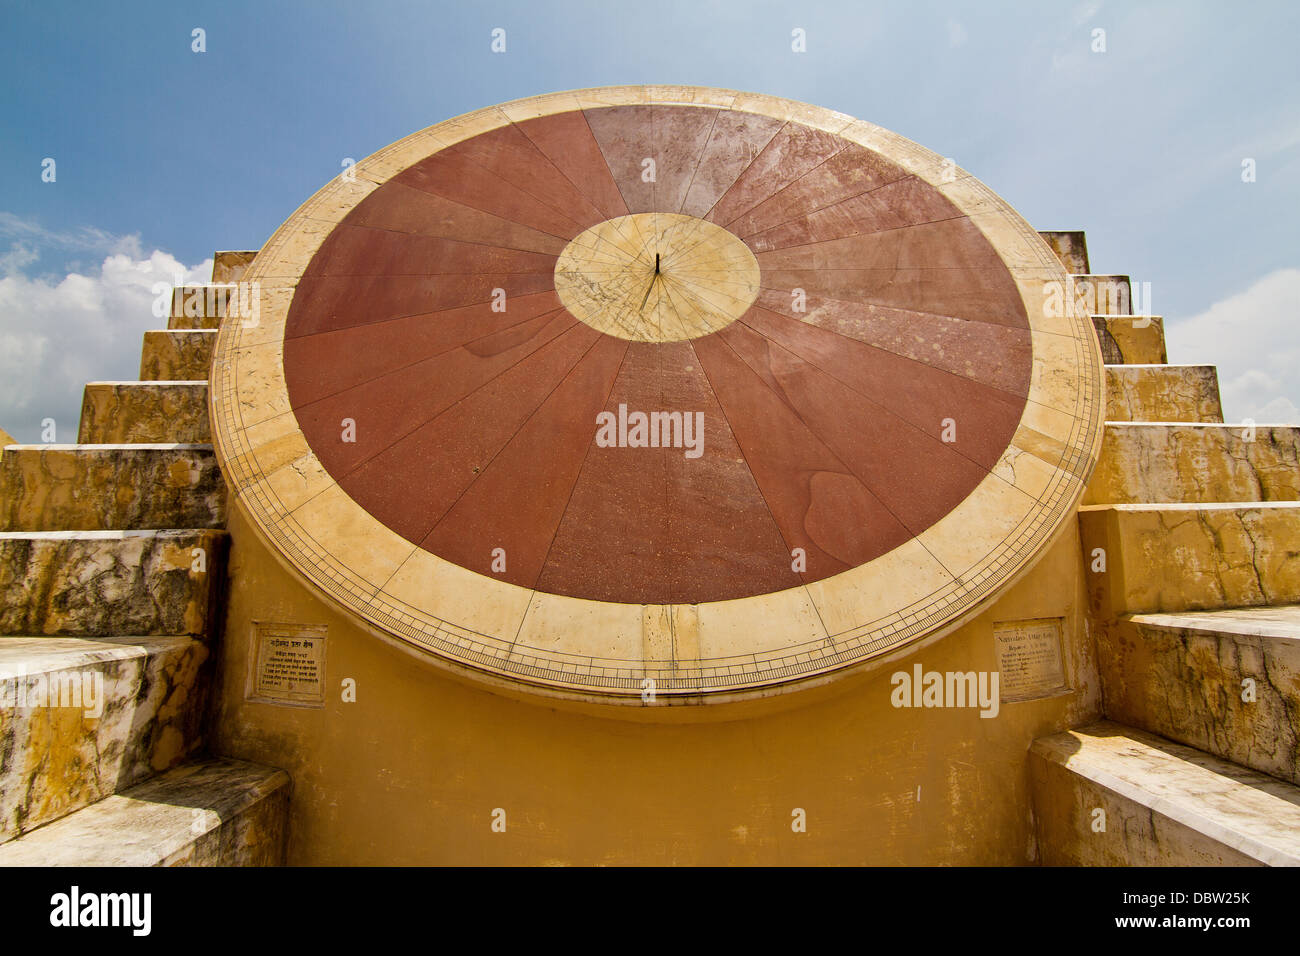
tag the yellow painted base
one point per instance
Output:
(413, 770)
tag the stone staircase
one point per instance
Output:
(112, 556)
(1191, 536)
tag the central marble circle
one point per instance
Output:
(657, 277)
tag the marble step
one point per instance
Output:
(230, 265)
(1164, 804)
(177, 355)
(103, 583)
(1196, 462)
(1131, 339)
(202, 306)
(128, 412)
(1226, 682)
(1162, 393)
(1071, 247)
(110, 487)
(84, 718)
(1190, 557)
(1101, 294)
(212, 812)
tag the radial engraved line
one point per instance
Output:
(453, 404)
(506, 443)
(599, 145)
(726, 417)
(863, 479)
(711, 320)
(741, 174)
(425, 196)
(590, 198)
(548, 161)
(405, 315)
(861, 394)
(921, 314)
(854, 235)
(704, 148)
(613, 382)
(399, 368)
(485, 171)
(677, 314)
(866, 192)
(903, 175)
(843, 144)
(927, 320)
(697, 289)
(749, 470)
(441, 235)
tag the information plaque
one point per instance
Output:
(289, 667)
(1029, 658)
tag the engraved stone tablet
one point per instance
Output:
(1029, 658)
(290, 664)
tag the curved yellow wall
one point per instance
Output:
(412, 771)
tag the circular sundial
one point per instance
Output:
(657, 387)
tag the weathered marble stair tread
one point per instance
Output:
(1281, 622)
(1070, 246)
(200, 306)
(1226, 682)
(1162, 393)
(1131, 339)
(229, 265)
(1192, 557)
(1102, 294)
(85, 718)
(117, 412)
(177, 355)
(1196, 462)
(104, 583)
(212, 812)
(1165, 804)
(110, 487)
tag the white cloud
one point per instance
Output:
(30, 234)
(1084, 12)
(1251, 337)
(956, 34)
(18, 258)
(56, 334)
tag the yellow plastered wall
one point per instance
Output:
(412, 772)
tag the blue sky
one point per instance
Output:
(164, 155)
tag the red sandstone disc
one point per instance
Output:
(677, 389)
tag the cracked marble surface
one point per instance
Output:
(143, 714)
(1196, 462)
(1181, 675)
(177, 355)
(1131, 339)
(1162, 393)
(106, 487)
(105, 583)
(1189, 557)
(212, 812)
(1165, 804)
(113, 412)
